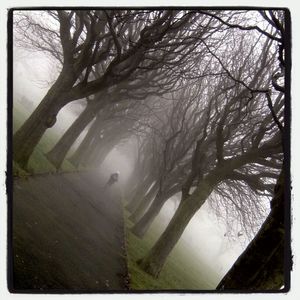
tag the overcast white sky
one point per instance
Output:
(295, 10)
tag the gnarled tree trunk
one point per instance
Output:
(99, 157)
(153, 262)
(143, 224)
(140, 193)
(77, 156)
(137, 214)
(44, 116)
(141, 227)
(58, 153)
(261, 265)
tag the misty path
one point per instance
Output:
(68, 233)
(191, 107)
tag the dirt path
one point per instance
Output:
(68, 234)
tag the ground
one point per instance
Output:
(68, 233)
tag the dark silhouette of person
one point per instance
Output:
(113, 178)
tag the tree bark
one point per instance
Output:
(98, 158)
(143, 224)
(44, 116)
(92, 146)
(154, 261)
(76, 158)
(138, 212)
(141, 227)
(261, 266)
(140, 193)
(58, 153)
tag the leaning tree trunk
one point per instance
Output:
(141, 227)
(58, 153)
(97, 151)
(154, 261)
(139, 194)
(44, 116)
(261, 265)
(139, 211)
(134, 181)
(77, 156)
(98, 158)
(99, 148)
(87, 155)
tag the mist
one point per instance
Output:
(175, 119)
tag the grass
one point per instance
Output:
(182, 271)
(38, 163)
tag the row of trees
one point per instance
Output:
(202, 94)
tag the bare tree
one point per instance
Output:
(235, 105)
(201, 92)
(117, 41)
(139, 87)
(261, 265)
(172, 146)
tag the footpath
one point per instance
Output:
(67, 235)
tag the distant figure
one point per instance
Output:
(113, 178)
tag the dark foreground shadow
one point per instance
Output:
(67, 235)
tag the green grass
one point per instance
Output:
(182, 271)
(38, 163)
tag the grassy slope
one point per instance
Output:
(182, 270)
(38, 163)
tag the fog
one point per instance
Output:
(204, 235)
(33, 74)
(187, 122)
(116, 161)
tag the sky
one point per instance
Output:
(38, 92)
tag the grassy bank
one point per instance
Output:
(182, 271)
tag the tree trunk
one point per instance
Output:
(99, 148)
(30, 133)
(138, 212)
(156, 258)
(144, 223)
(141, 227)
(104, 150)
(94, 148)
(135, 178)
(261, 265)
(58, 153)
(44, 116)
(76, 158)
(131, 189)
(140, 193)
